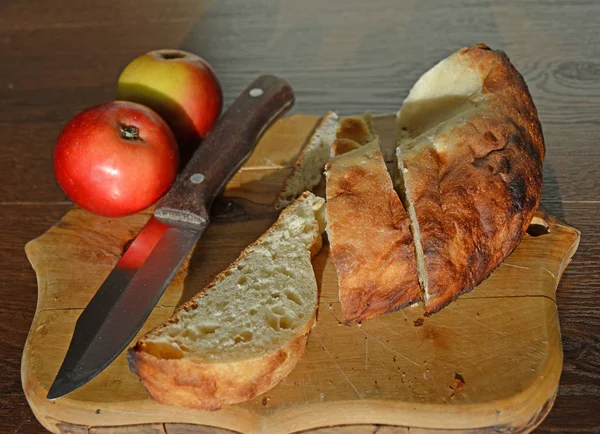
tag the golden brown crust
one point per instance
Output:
(210, 386)
(475, 196)
(369, 235)
(358, 129)
(343, 145)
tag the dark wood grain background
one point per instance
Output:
(58, 57)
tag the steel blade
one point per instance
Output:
(122, 304)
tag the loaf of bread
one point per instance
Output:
(308, 168)
(367, 226)
(247, 329)
(470, 160)
(469, 171)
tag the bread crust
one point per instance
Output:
(369, 236)
(209, 385)
(320, 146)
(352, 133)
(358, 129)
(475, 191)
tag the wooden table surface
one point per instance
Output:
(61, 56)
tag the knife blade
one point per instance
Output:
(124, 301)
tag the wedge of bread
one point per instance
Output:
(470, 160)
(247, 329)
(368, 228)
(308, 168)
(352, 133)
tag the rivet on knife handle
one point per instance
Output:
(224, 150)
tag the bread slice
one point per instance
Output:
(247, 329)
(352, 133)
(470, 160)
(369, 231)
(308, 168)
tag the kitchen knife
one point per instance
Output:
(128, 295)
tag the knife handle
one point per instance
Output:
(224, 150)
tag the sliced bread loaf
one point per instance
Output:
(330, 137)
(470, 159)
(248, 328)
(308, 168)
(368, 230)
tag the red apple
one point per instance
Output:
(179, 86)
(116, 159)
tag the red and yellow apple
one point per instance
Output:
(179, 86)
(116, 159)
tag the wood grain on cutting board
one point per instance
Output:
(490, 361)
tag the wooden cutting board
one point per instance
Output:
(490, 362)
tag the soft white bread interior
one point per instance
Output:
(247, 329)
(308, 168)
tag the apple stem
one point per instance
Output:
(168, 55)
(130, 132)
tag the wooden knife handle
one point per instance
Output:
(224, 150)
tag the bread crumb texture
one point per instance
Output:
(248, 328)
(307, 171)
(265, 296)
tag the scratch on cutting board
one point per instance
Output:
(367, 352)
(491, 328)
(452, 329)
(391, 349)
(270, 165)
(395, 331)
(506, 264)
(562, 226)
(337, 365)
(551, 273)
